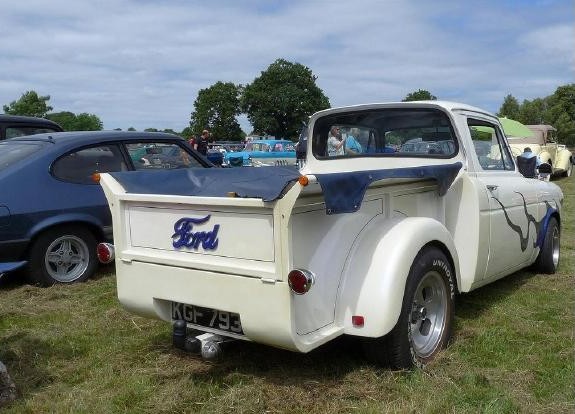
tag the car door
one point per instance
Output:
(513, 204)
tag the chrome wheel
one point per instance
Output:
(67, 258)
(555, 243)
(428, 314)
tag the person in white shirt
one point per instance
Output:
(335, 142)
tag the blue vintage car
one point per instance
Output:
(52, 210)
(263, 152)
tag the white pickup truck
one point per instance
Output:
(371, 238)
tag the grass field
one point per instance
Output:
(73, 349)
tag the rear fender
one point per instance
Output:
(80, 219)
(377, 268)
(563, 160)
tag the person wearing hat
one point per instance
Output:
(202, 142)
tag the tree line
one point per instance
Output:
(557, 110)
(282, 97)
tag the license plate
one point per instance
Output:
(210, 318)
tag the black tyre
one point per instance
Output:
(64, 254)
(548, 259)
(424, 325)
(569, 170)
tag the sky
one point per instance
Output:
(141, 63)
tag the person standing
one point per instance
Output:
(202, 142)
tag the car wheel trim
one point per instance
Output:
(66, 258)
(428, 314)
(555, 246)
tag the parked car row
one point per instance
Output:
(263, 152)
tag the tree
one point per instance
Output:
(419, 95)
(216, 109)
(281, 98)
(532, 112)
(510, 108)
(72, 122)
(561, 113)
(187, 132)
(29, 104)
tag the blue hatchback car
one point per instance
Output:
(53, 211)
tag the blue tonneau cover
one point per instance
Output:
(343, 192)
(267, 183)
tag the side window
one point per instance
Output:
(12, 132)
(490, 148)
(160, 155)
(79, 166)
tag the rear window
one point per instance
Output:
(386, 132)
(11, 153)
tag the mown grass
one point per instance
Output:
(73, 349)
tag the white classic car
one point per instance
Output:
(374, 243)
(544, 145)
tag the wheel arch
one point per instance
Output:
(49, 225)
(551, 213)
(376, 271)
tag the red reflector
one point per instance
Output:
(105, 252)
(357, 321)
(300, 281)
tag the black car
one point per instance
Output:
(53, 211)
(12, 126)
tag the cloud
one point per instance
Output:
(142, 63)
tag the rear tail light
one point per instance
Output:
(105, 252)
(300, 281)
(357, 321)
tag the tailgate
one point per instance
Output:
(240, 233)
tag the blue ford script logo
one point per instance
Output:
(185, 236)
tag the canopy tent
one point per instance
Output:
(511, 128)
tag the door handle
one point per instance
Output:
(492, 187)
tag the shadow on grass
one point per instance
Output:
(19, 278)
(330, 362)
(472, 304)
(25, 357)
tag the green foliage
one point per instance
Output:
(131, 129)
(419, 95)
(510, 108)
(281, 98)
(187, 132)
(29, 104)
(72, 122)
(216, 109)
(531, 112)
